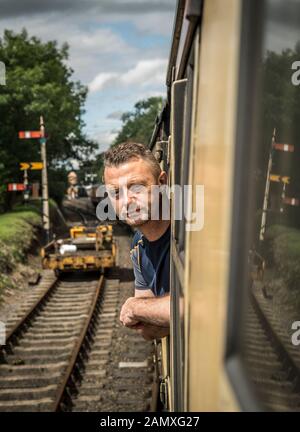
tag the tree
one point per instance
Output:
(91, 166)
(278, 107)
(38, 81)
(139, 123)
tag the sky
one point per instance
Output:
(282, 25)
(118, 48)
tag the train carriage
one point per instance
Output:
(229, 122)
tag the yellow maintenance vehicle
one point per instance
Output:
(87, 249)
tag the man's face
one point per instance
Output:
(72, 178)
(129, 189)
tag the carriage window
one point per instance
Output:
(186, 143)
(178, 114)
(270, 333)
(182, 120)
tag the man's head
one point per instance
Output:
(72, 178)
(130, 170)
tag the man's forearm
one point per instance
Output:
(154, 311)
(150, 332)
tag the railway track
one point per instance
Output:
(67, 351)
(124, 381)
(272, 361)
(43, 347)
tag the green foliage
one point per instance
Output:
(4, 173)
(281, 97)
(17, 231)
(99, 167)
(58, 224)
(39, 82)
(279, 108)
(31, 206)
(58, 183)
(283, 244)
(94, 166)
(139, 123)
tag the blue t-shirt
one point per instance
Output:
(151, 263)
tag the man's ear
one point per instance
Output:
(163, 178)
(103, 178)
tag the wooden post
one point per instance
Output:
(267, 191)
(45, 194)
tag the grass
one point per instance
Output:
(18, 232)
(56, 217)
(18, 229)
(283, 246)
(15, 225)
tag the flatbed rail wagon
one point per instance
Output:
(87, 249)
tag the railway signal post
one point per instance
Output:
(45, 193)
(15, 187)
(26, 186)
(43, 166)
(25, 166)
(274, 178)
(267, 190)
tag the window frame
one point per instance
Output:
(251, 42)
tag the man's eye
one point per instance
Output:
(137, 188)
(114, 193)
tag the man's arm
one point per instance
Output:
(150, 332)
(154, 311)
(143, 293)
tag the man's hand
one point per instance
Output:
(150, 332)
(153, 311)
(127, 316)
(130, 317)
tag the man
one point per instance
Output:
(131, 174)
(72, 191)
(75, 190)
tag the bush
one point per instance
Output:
(283, 246)
(17, 231)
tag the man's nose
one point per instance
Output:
(127, 198)
(130, 200)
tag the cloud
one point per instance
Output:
(105, 139)
(97, 36)
(103, 41)
(90, 46)
(101, 80)
(144, 73)
(74, 163)
(285, 14)
(147, 93)
(118, 47)
(116, 115)
(11, 8)
(282, 25)
(155, 23)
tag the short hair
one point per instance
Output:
(127, 151)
